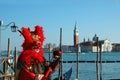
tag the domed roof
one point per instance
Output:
(95, 37)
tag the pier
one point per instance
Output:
(8, 63)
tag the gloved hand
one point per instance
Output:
(55, 59)
(57, 54)
(53, 64)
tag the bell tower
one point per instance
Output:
(76, 35)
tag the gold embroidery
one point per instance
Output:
(35, 37)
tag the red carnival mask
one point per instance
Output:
(33, 38)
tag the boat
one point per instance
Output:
(66, 75)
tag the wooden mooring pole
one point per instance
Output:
(97, 41)
(60, 63)
(99, 70)
(77, 64)
(100, 61)
(6, 62)
(8, 51)
(49, 52)
(15, 63)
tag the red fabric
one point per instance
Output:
(39, 31)
(27, 55)
(28, 38)
(47, 73)
(26, 75)
(31, 76)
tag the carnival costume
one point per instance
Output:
(32, 64)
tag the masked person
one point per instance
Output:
(32, 64)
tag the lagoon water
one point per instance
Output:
(87, 71)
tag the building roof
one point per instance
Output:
(88, 43)
(92, 43)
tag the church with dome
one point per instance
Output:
(91, 46)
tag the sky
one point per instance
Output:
(101, 17)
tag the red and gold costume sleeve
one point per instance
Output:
(26, 75)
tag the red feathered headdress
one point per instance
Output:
(35, 37)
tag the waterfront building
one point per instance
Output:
(90, 46)
(116, 47)
(68, 48)
(86, 46)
